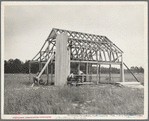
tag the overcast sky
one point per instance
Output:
(26, 27)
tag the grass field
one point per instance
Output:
(21, 98)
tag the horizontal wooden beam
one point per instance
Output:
(99, 62)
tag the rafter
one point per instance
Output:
(83, 46)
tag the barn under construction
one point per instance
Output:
(63, 48)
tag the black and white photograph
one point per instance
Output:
(74, 60)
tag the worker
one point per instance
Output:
(69, 78)
(80, 73)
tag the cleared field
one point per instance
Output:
(21, 98)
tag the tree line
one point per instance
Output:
(17, 66)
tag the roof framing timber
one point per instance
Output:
(83, 47)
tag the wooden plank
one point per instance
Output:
(99, 73)
(108, 56)
(100, 56)
(131, 72)
(110, 73)
(110, 67)
(47, 74)
(102, 62)
(52, 73)
(44, 67)
(87, 78)
(48, 64)
(96, 55)
(29, 71)
(105, 55)
(90, 72)
(62, 60)
(122, 70)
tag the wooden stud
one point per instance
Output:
(110, 73)
(90, 72)
(29, 70)
(122, 69)
(99, 73)
(78, 67)
(48, 64)
(52, 73)
(48, 74)
(87, 77)
(110, 54)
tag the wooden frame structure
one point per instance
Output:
(79, 47)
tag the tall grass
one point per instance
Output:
(20, 98)
(105, 100)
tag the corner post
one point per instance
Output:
(110, 68)
(122, 70)
(48, 64)
(29, 70)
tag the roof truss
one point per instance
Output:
(83, 47)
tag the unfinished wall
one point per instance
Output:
(62, 61)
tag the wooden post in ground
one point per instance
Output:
(122, 69)
(87, 77)
(48, 74)
(78, 71)
(40, 63)
(90, 71)
(29, 70)
(52, 73)
(62, 61)
(110, 67)
(110, 73)
(48, 64)
(99, 73)
(78, 67)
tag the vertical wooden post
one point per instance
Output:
(29, 70)
(48, 74)
(51, 72)
(40, 64)
(99, 72)
(87, 77)
(90, 72)
(48, 64)
(109, 72)
(110, 67)
(122, 69)
(68, 61)
(78, 67)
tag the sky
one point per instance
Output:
(26, 27)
